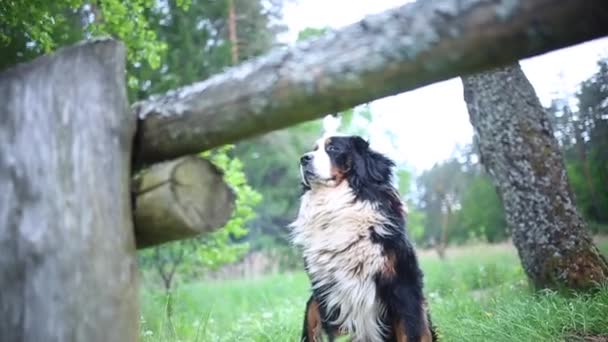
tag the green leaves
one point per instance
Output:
(355, 120)
(33, 28)
(126, 21)
(311, 32)
(218, 248)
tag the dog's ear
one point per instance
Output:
(360, 144)
(379, 167)
(370, 166)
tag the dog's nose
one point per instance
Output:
(305, 159)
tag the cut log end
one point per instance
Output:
(180, 199)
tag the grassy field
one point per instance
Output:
(478, 294)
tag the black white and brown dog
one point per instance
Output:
(366, 281)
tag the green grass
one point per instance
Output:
(478, 294)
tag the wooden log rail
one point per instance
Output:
(384, 54)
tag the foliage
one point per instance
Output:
(416, 222)
(32, 28)
(169, 43)
(355, 120)
(311, 32)
(197, 44)
(217, 248)
(481, 213)
(460, 203)
(479, 294)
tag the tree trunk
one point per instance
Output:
(232, 32)
(522, 156)
(67, 250)
(445, 224)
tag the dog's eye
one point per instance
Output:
(332, 148)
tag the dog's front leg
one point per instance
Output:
(410, 321)
(312, 329)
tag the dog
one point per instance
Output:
(365, 277)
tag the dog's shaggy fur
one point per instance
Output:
(366, 282)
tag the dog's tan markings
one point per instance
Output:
(388, 271)
(426, 334)
(401, 333)
(313, 321)
(337, 174)
(426, 337)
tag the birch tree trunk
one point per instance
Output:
(68, 270)
(521, 154)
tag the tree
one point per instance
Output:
(520, 153)
(199, 40)
(31, 28)
(442, 188)
(481, 214)
(592, 143)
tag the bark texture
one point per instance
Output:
(385, 54)
(180, 199)
(67, 251)
(522, 156)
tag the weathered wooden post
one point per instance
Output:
(67, 250)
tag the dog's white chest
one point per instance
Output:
(333, 232)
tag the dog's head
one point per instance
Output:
(336, 159)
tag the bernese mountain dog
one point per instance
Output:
(365, 277)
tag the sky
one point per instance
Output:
(429, 123)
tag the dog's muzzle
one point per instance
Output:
(306, 160)
(306, 168)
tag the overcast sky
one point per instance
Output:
(430, 122)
